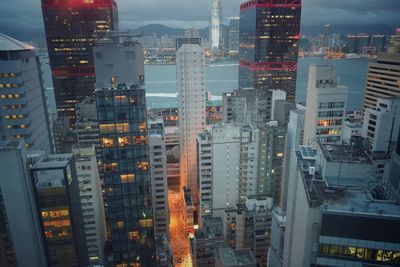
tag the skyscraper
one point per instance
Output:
(269, 43)
(72, 27)
(382, 80)
(121, 112)
(21, 242)
(215, 24)
(59, 209)
(234, 34)
(327, 35)
(190, 71)
(23, 107)
(126, 165)
(91, 201)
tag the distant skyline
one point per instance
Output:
(24, 16)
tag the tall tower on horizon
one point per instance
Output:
(269, 44)
(72, 27)
(215, 24)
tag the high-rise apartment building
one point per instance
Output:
(326, 105)
(190, 71)
(59, 208)
(379, 42)
(269, 43)
(126, 166)
(271, 155)
(215, 24)
(356, 43)
(21, 242)
(72, 28)
(91, 201)
(159, 182)
(294, 138)
(228, 160)
(383, 78)
(382, 124)
(334, 215)
(87, 126)
(186, 40)
(249, 226)
(234, 34)
(23, 107)
(326, 36)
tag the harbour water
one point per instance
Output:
(223, 77)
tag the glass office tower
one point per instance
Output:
(125, 155)
(71, 27)
(269, 43)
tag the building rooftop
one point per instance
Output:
(8, 43)
(54, 161)
(211, 228)
(174, 105)
(230, 257)
(345, 153)
(372, 199)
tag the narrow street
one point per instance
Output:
(179, 242)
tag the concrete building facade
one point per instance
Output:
(23, 112)
(326, 105)
(190, 68)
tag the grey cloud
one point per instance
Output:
(26, 14)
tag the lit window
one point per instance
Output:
(7, 116)
(140, 140)
(133, 235)
(142, 165)
(147, 223)
(127, 178)
(122, 127)
(22, 126)
(124, 141)
(279, 155)
(142, 127)
(120, 224)
(3, 97)
(10, 96)
(107, 142)
(1, 85)
(107, 128)
(14, 116)
(8, 85)
(17, 96)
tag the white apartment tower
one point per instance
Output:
(326, 105)
(91, 201)
(228, 160)
(215, 24)
(190, 66)
(158, 165)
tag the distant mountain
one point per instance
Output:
(159, 30)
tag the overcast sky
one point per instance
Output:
(26, 14)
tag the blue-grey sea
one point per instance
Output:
(223, 77)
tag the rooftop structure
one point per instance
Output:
(228, 257)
